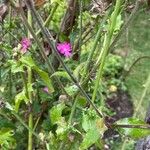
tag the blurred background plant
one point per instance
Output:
(39, 98)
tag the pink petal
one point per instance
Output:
(25, 43)
(45, 89)
(64, 48)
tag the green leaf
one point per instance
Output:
(28, 61)
(88, 122)
(15, 66)
(92, 121)
(135, 133)
(78, 70)
(19, 98)
(61, 74)
(81, 102)
(56, 112)
(62, 129)
(119, 23)
(71, 89)
(6, 136)
(89, 139)
(45, 77)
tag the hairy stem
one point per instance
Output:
(30, 119)
(96, 40)
(51, 43)
(107, 43)
(42, 51)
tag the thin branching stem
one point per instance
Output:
(42, 51)
(106, 46)
(52, 43)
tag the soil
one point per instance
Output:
(120, 103)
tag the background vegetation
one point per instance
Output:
(74, 75)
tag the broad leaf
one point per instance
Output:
(134, 132)
(71, 89)
(88, 122)
(61, 74)
(45, 77)
(6, 136)
(56, 112)
(28, 61)
(90, 138)
(19, 98)
(15, 66)
(78, 70)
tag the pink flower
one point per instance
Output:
(45, 89)
(64, 48)
(25, 44)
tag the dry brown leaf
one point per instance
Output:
(3, 11)
(39, 3)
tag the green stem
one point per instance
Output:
(107, 42)
(30, 119)
(96, 40)
(147, 85)
(42, 51)
(72, 111)
(80, 24)
(30, 139)
(126, 24)
(49, 18)
(51, 43)
(25, 84)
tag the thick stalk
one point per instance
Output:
(42, 51)
(105, 49)
(96, 40)
(51, 43)
(30, 119)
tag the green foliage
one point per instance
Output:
(6, 139)
(61, 74)
(19, 98)
(113, 65)
(90, 138)
(28, 61)
(135, 133)
(56, 113)
(71, 89)
(94, 128)
(67, 121)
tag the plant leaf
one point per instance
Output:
(90, 138)
(28, 61)
(6, 136)
(19, 98)
(71, 89)
(61, 74)
(135, 133)
(56, 112)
